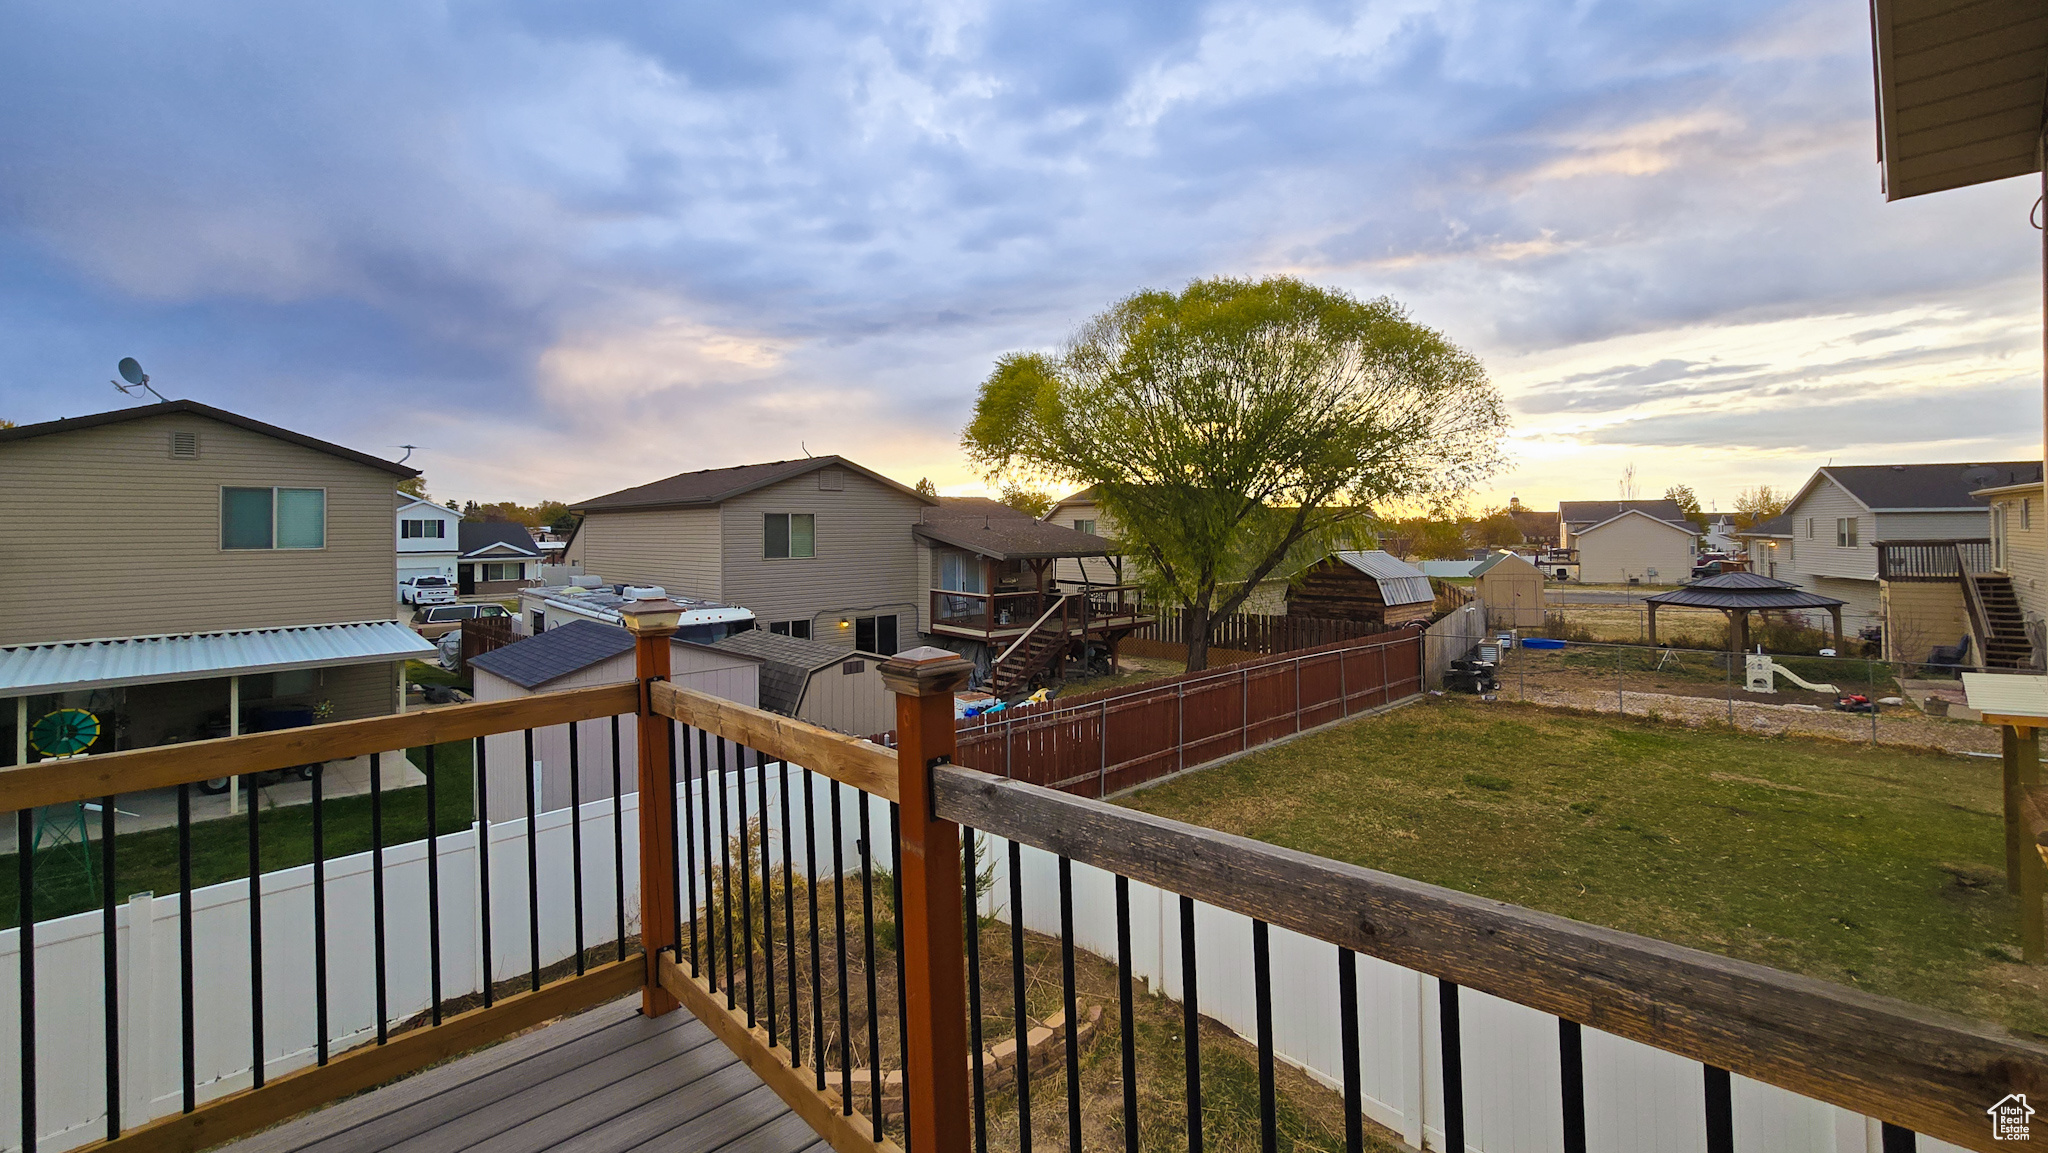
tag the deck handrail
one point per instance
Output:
(1907, 1065)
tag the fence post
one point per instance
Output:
(1180, 721)
(1244, 709)
(652, 623)
(1297, 694)
(934, 936)
(1102, 747)
(1343, 685)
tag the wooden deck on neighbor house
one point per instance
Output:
(605, 1081)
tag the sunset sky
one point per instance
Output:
(566, 249)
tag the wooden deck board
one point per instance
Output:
(604, 1081)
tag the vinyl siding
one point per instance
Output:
(866, 562)
(1934, 525)
(858, 703)
(1632, 546)
(1818, 555)
(1862, 606)
(719, 673)
(122, 540)
(1095, 569)
(2026, 553)
(1919, 615)
(674, 548)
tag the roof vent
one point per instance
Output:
(831, 480)
(185, 446)
(643, 592)
(1898, 468)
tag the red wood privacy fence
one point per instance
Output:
(1099, 743)
(1255, 633)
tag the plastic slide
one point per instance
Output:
(1796, 679)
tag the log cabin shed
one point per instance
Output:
(1369, 585)
(1512, 590)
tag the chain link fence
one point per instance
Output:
(1846, 698)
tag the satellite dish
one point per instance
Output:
(1980, 476)
(131, 371)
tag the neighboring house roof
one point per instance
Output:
(1577, 512)
(1780, 525)
(715, 486)
(508, 539)
(1743, 590)
(1400, 583)
(787, 664)
(1922, 487)
(72, 665)
(407, 500)
(194, 408)
(561, 650)
(1682, 526)
(1084, 496)
(1487, 565)
(1959, 87)
(994, 529)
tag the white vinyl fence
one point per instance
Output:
(1638, 1099)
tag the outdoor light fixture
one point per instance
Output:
(844, 623)
(652, 616)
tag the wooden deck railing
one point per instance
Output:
(756, 977)
(1932, 560)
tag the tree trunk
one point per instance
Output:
(1198, 623)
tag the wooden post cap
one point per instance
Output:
(658, 617)
(925, 671)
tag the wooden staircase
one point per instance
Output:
(2006, 646)
(1033, 653)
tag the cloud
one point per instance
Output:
(573, 237)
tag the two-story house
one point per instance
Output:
(427, 538)
(1081, 513)
(819, 548)
(1835, 522)
(192, 573)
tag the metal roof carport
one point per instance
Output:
(67, 666)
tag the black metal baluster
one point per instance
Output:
(25, 878)
(789, 921)
(110, 972)
(532, 867)
(746, 881)
(692, 782)
(483, 861)
(1571, 1051)
(1453, 1046)
(839, 943)
(767, 899)
(320, 914)
(377, 893)
(1022, 1036)
(576, 841)
(1191, 1023)
(1354, 1075)
(711, 933)
(1069, 1004)
(725, 875)
(817, 954)
(867, 917)
(188, 1021)
(1262, 996)
(1894, 1139)
(896, 910)
(1127, 1026)
(433, 889)
(256, 1061)
(618, 847)
(1720, 1110)
(973, 926)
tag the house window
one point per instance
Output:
(423, 529)
(1809, 528)
(263, 518)
(875, 635)
(1845, 532)
(1087, 526)
(798, 629)
(540, 622)
(504, 572)
(789, 534)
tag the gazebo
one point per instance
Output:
(1740, 593)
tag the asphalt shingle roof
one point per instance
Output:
(471, 537)
(555, 653)
(786, 664)
(994, 529)
(194, 408)
(1889, 486)
(713, 486)
(1595, 511)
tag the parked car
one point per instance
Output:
(426, 590)
(1710, 568)
(438, 621)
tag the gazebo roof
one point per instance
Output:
(1743, 590)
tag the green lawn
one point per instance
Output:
(220, 848)
(1873, 867)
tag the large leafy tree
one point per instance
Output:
(1236, 428)
(1757, 505)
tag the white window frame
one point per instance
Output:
(1845, 532)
